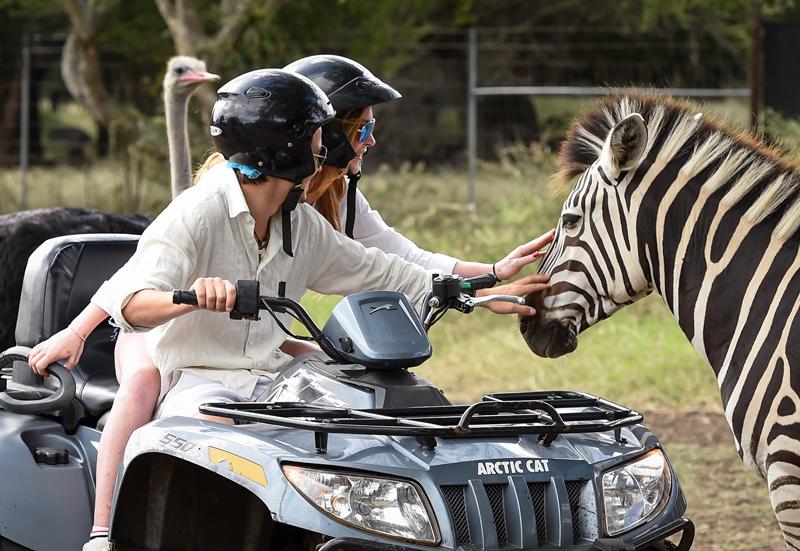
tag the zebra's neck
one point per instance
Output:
(725, 278)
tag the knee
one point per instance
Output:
(143, 384)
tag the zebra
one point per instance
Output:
(672, 201)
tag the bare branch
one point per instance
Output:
(184, 25)
(80, 62)
(232, 24)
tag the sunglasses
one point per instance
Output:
(366, 131)
(321, 156)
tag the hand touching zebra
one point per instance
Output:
(672, 202)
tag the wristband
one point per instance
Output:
(81, 337)
(494, 273)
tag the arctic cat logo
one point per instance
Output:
(517, 466)
(383, 307)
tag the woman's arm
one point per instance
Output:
(511, 264)
(372, 231)
(68, 343)
(151, 308)
(165, 258)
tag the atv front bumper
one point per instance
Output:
(683, 525)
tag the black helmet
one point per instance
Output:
(349, 85)
(265, 119)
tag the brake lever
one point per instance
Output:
(472, 302)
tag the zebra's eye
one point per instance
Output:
(570, 221)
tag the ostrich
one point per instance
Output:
(22, 232)
(184, 75)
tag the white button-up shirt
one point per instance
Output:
(371, 231)
(207, 231)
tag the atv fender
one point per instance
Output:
(179, 467)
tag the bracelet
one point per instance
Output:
(81, 337)
(494, 272)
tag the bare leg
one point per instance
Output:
(140, 383)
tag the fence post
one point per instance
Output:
(24, 123)
(756, 65)
(472, 114)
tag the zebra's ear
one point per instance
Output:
(624, 145)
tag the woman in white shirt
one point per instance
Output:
(140, 381)
(353, 91)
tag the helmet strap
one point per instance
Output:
(350, 218)
(287, 207)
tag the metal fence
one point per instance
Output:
(467, 93)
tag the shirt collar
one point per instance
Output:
(233, 193)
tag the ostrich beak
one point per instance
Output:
(199, 77)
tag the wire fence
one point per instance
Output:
(467, 93)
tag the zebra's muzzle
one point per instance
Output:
(548, 339)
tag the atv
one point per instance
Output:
(346, 450)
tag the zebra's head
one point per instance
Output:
(594, 262)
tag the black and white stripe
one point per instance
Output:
(672, 202)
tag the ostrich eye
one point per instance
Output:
(570, 221)
(180, 70)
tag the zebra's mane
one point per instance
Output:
(742, 162)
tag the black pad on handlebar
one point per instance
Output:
(247, 300)
(184, 297)
(472, 284)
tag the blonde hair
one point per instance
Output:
(328, 186)
(212, 160)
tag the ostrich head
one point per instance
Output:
(185, 74)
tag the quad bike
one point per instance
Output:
(347, 449)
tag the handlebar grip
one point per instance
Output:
(184, 297)
(58, 400)
(472, 284)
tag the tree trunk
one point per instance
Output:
(10, 121)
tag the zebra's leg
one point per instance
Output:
(782, 467)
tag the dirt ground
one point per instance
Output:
(728, 504)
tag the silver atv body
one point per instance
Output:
(513, 471)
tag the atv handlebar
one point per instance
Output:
(34, 402)
(448, 292)
(249, 302)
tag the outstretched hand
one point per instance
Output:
(522, 287)
(65, 345)
(522, 256)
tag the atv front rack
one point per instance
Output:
(547, 414)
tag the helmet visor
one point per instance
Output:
(361, 92)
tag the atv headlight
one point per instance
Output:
(635, 492)
(390, 507)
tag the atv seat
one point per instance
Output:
(61, 276)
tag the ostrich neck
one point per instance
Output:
(178, 139)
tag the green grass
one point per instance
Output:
(100, 185)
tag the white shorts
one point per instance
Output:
(192, 390)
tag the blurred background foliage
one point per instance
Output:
(418, 45)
